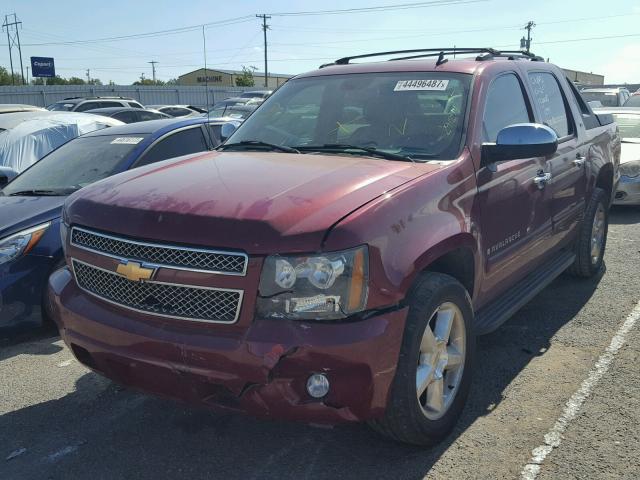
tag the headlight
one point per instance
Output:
(21, 243)
(321, 287)
(630, 169)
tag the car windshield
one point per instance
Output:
(75, 164)
(419, 115)
(633, 101)
(629, 125)
(61, 106)
(607, 99)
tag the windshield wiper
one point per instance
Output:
(43, 193)
(249, 144)
(339, 147)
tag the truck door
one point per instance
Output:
(568, 181)
(513, 199)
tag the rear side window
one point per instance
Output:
(505, 106)
(550, 103)
(126, 117)
(144, 115)
(135, 105)
(180, 143)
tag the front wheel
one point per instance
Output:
(434, 368)
(592, 236)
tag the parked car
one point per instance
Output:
(238, 112)
(263, 94)
(82, 104)
(628, 120)
(178, 110)
(334, 260)
(30, 247)
(235, 101)
(129, 114)
(608, 97)
(26, 137)
(18, 107)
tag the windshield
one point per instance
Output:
(75, 164)
(633, 101)
(420, 115)
(607, 99)
(61, 106)
(629, 125)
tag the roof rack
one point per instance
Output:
(441, 53)
(98, 96)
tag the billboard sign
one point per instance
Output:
(42, 67)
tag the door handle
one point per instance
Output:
(579, 161)
(542, 179)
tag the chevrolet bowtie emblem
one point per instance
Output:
(135, 272)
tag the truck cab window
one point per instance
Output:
(550, 103)
(505, 106)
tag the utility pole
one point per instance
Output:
(88, 77)
(27, 75)
(526, 44)
(153, 69)
(13, 40)
(264, 29)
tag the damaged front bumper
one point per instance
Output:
(261, 371)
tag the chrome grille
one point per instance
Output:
(164, 299)
(228, 263)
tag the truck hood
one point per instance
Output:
(255, 201)
(20, 212)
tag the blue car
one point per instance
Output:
(31, 204)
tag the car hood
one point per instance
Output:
(630, 152)
(20, 212)
(256, 201)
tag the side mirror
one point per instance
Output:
(6, 175)
(523, 140)
(227, 130)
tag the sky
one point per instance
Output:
(564, 33)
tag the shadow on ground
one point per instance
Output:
(115, 433)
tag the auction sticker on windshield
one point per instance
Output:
(127, 140)
(404, 85)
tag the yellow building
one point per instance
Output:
(227, 78)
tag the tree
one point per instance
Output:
(76, 81)
(172, 81)
(5, 78)
(246, 79)
(147, 82)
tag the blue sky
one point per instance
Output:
(301, 43)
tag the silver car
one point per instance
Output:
(628, 120)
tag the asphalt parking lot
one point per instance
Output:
(60, 421)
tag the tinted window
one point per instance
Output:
(145, 115)
(606, 99)
(178, 112)
(126, 117)
(76, 164)
(550, 102)
(582, 105)
(505, 106)
(386, 111)
(90, 106)
(135, 105)
(175, 145)
(215, 133)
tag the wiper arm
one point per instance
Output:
(42, 193)
(257, 143)
(339, 147)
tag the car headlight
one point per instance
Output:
(321, 287)
(630, 169)
(21, 243)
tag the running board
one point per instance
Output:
(491, 316)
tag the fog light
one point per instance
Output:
(318, 385)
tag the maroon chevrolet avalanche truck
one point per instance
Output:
(334, 260)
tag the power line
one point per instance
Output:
(379, 8)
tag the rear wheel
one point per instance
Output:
(592, 236)
(434, 369)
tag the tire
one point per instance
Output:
(407, 419)
(586, 263)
